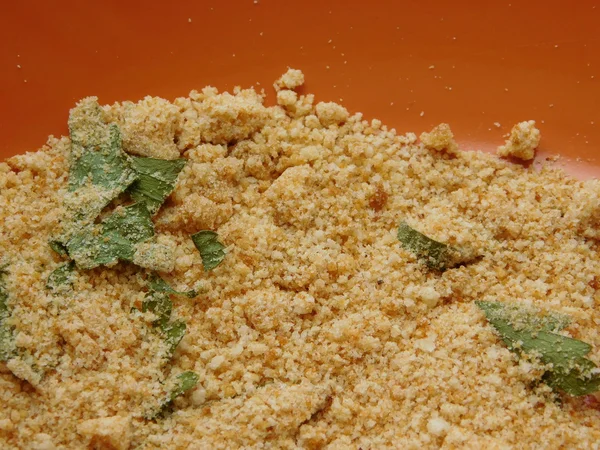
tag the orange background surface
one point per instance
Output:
(411, 64)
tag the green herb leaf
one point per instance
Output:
(173, 332)
(112, 240)
(185, 382)
(157, 284)
(97, 156)
(211, 250)
(433, 254)
(62, 277)
(156, 179)
(182, 383)
(160, 304)
(570, 371)
(58, 247)
(7, 343)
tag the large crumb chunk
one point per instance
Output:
(330, 113)
(107, 432)
(148, 127)
(440, 138)
(292, 79)
(222, 118)
(524, 139)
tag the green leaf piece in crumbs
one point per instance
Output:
(112, 240)
(62, 277)
(97, 157)
(211, 250)
(159, 302)
(185, 382)
(182, 383)
(433, 254)
(58, 248)
(569, 370)
(7, 343)
(157, 284)
(156, 179)
(173, 333)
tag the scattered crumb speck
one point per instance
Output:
(422, 113)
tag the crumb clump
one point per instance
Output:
(523, 140)
(292, 79)
(318, 330)
(440, 138)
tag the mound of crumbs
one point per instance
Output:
(214, 273)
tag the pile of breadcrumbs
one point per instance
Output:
(318, 330)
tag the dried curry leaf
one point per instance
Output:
(433, 254)
(569, 370)
(62, 277)
(211, 250)
(156, 179)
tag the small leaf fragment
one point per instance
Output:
(160, 304)
(157, 284)
(156, 179)
(569, 370)
(62, 277)
(58, 247)
(7, 343)
(211, 250)
(173, 333)
(433, 254)
(185, 382)
(181, 384)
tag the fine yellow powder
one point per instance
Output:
(318, 330)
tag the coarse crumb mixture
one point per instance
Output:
(522, 141)
(318, 330)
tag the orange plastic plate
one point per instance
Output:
(480, 66)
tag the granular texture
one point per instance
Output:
(318, 329)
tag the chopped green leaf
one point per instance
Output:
(156, 179)
(160, 304)
(185, 382)
(182, 383)
(569, 370)
(62, 277)
(173, 332)
(211, 250)
(7, 343)
(433, 254)
(58, 247)
(97, 156)
(157, 284)
(112, 240)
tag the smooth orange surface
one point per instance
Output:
(411, 64)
